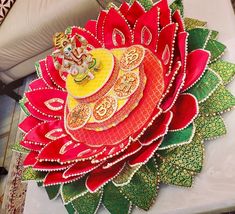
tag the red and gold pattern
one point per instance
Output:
(142, 91)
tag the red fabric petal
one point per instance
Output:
(41, 132)
(112, 151)
(138, 117)
(64, 150)
(31, 146)
(48, 101)
(38, 83)
(124, 8)
(145, 153)
(165, 13)
(54, 178)
(145, 31)
(196, 64)
(91, 26)
(54, 73)
(157, 129)
(173, 93)
(28, 123)
(165, 46)
(33, 111)
(100, 25)
(135, 11)
(116, 31)
(30, 159)
(91, 39)
(45, 76)
(100, 176)
(178, 19)
(80, 168)
(184, 111)
(50, 166)
(182, 47)
(131, 150)
(172, 75)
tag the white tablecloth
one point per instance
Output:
(213, 189)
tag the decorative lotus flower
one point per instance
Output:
(136, 122)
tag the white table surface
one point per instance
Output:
(214, 188)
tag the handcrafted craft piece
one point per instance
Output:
(123, 105)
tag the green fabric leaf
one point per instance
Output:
(53, 191)
(198, 38)
(172, 174)
(178, 137)
(126, 175)
(210, 127)
(205, 86)
(69, 208)
(216, 48)
(142, 189)
(18, 148)
(177, 5)
(189, 156)
(220, 101)
(30, 174)
(22, 105)
(73, 190)
(88, 203)
(114, 201)
(147, 4)
(226, 70)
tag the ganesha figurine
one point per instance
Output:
(76, 61)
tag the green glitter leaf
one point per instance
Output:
(73, 190)
(172, 174)
(193, 23)
(125, 176)
(68, 30)
(142, 189)
(53, 191)
(178, 137)
(152, 165)
(37, 68)
(29, 174)
(210, 127)
(22, 105)
(226, 70)
(198, 38)
(177, 5)
(18, 148)
(189, 156)
(40, 183)
(216, 48)
(147, 4)
(88, 203)
(114, 201)
(214, 34)
(220, 101)
(69, 208)
(205, 86)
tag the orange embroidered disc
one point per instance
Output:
(78, 117)
(105, 108)
(126, 85)
(132, 57)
